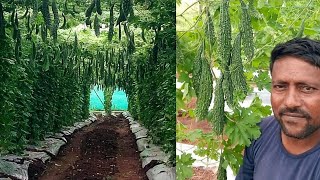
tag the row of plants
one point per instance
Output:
(233, 38)
(41, 90)
(151, 91)
(50, 59)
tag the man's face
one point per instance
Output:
(295, 96)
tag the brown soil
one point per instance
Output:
(192, 123)
(200, 173)
(105, 150)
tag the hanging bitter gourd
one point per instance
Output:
(43, 32)
(90, 8)
(228, 87)
(64, 21)
(225, 50)
(14, 26)
(55, 25)
(75, 44)
(237, 74)
(28, 24)
(222, 172)
(119, 32)
(131, 46)
(127, 7)
(246, 31)
(102, 60)
(98, 6)
(205, 87)
(96, 25)
(111, 23)
(18, 44)
(216, 114)
(33, 55)
(122, 17)
(196, 71)
(46, 13)
(209, 28)
(2, 23)
(142, 35)
(225, 35)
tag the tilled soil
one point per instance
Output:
(105, 150)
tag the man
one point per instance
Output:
(289, 147)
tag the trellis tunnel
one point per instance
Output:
(119, 101)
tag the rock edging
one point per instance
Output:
(154, 160)
(21, 166)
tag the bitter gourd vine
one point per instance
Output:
(205, 90)
(237, 74)
(246, 31)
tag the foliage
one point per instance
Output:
(49, 60)
(272, 22)
(184, 169)
(107, 99)
(151, 93)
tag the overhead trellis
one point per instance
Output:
(53, 51)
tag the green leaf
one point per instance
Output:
(194, 135)
(184, 166)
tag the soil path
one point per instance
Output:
(105, 150)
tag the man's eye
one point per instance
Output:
(307, 89)
(279, 87)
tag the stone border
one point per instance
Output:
(154, 160)
(17, 166)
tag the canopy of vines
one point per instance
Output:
(223, 50)
(53, 51)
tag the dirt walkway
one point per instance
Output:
(105, 150)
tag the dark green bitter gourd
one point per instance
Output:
(111, 23)
(206, 90)
(90, 8)
(14, 26)
(122, 17)
(2, 23)
(64, 21)
(216, 115)
(228, 87)
(209, 27)
(237, 74)
(98, 6)
(96, 25)
(196, 71)
(46, 13)
(142, 35)
(56, 21)
(225, 35)
(246, 31)
(222, 172)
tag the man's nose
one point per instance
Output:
(292, 98)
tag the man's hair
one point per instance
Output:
(303, 48)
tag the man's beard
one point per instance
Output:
(307, 130)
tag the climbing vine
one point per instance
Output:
(53, 51)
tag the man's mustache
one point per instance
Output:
(296, 111)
